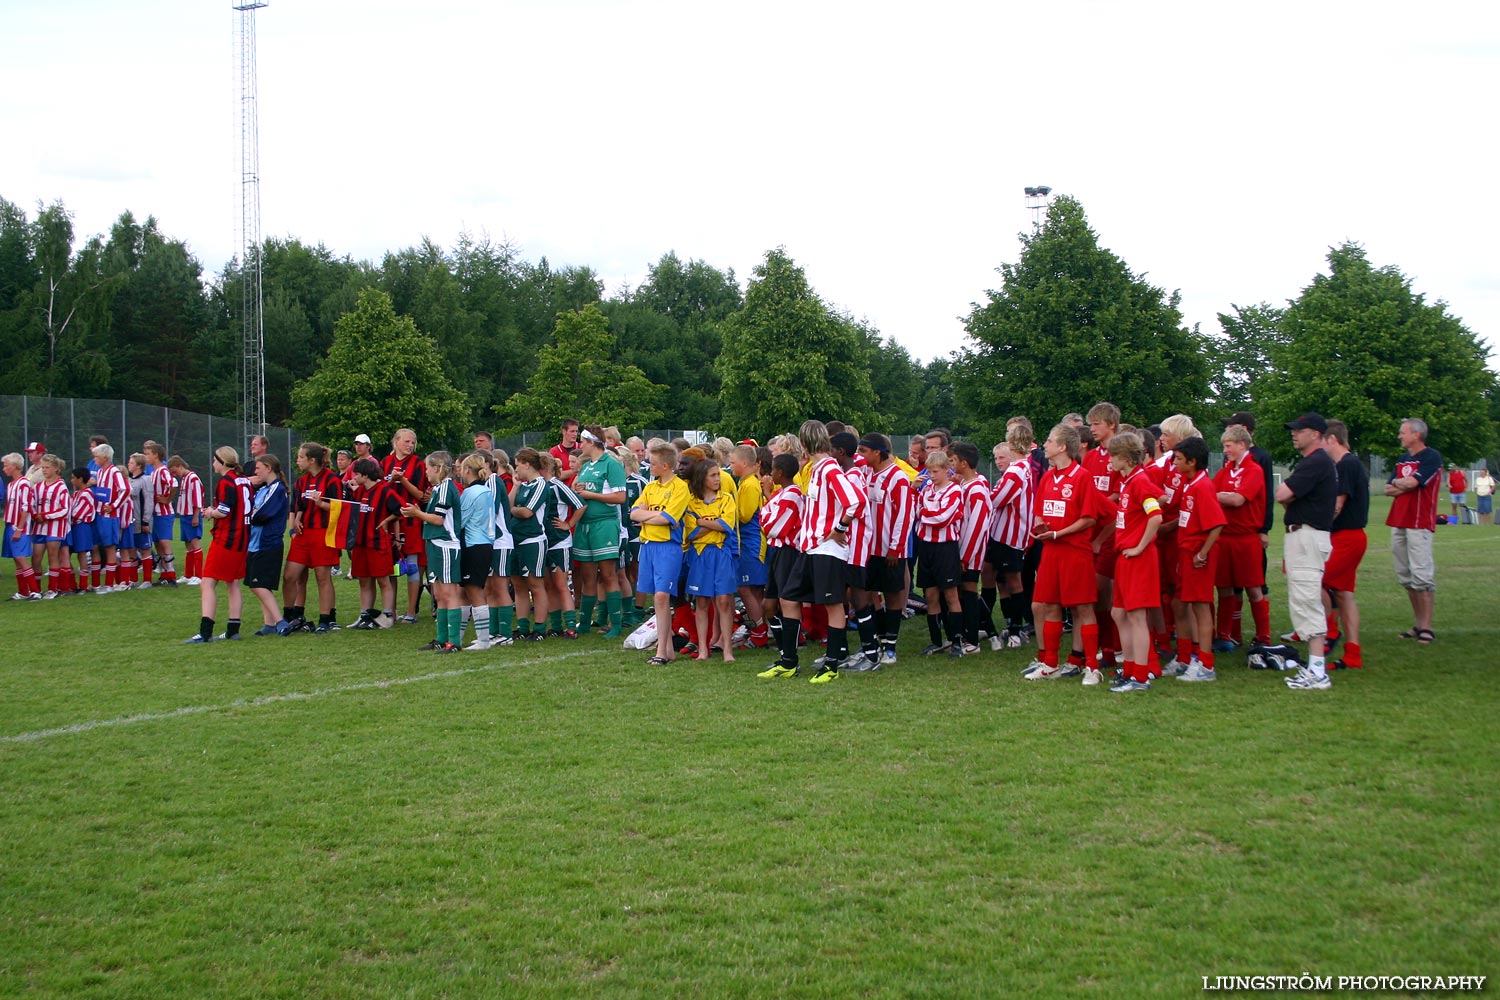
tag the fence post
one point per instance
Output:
(26, 418)
(123, 437)
(209, 464)
(166, 428)
(72, 433)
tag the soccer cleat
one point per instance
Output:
(426, 646)
(1224, 645)
(1033, 667)
(16, 597)
(956, 650)
(533, 637)
(50, 595)
(1173, 667)
(449, 647)
(407, 619)
(502, 640)
(1069, 669)
(167, 583)
(1092, 678)
(862, 662)
(143, 585)
(196, 640)
(970, 648)
(323, 628)
(363, 625)
(1306, 680)
(265, 630)
(824, 675)
(935, 648)
(226, 637)
(778, 669)
(283, 627)
(1126, 686)
(1196, 671)
(33, 597)
(567, 633)
(478, 644)
(193, 581)
(1045, 673)
(888, 655)
(997, 643)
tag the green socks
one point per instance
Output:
(586, 612)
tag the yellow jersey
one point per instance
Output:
(670, 498)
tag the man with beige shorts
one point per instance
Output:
(1310, 496)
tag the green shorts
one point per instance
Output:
(560, 559)
(502, 562)
(631, 553)
(529, 558)
(596, 541)
(442, 563)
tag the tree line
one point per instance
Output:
(475, 335)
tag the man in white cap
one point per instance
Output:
(362, 447)
(34, 452)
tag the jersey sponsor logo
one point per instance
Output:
(1101, 483)
(1169, 494)
(1184, 516)
(1120, 521)
(1054, 508)
(1067, 492)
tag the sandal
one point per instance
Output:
(658, 661)
(1410, 633)
(1424, 636)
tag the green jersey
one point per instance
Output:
(533, 497)
(634, 483)
(561, 503)
(444, 501)
(604, 474)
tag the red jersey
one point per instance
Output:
(415, 471)
(19, 502)
(162, 485)
(831, 493)
(1065, 496)
(375, 505)
(940, 511)
(81, 508)
(113, 491)
(325, 484)
(51, 517)
(781, 517)
(1096, 464)
(1457, 481)
(1198, 513)
(973, 529)
(1245, 478)
(1136, 507)
(232, 499)
(1417, 508)
(189, 494)
(893, 505)
(1010, 505)
(861, 534)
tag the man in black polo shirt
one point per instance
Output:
(1349, 540)
(1310, 495)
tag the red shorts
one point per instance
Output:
(1343, 564)
(1065, 576)
(1166, 553)
(1104, 559)
(1137, 582)
(412, 544)
(1241, 561)
(1194, 585)
(224, 564)
(309, 549)
(371, 562)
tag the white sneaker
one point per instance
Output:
(1069, 670)
(970, 649)
(1174, 667)
(143, 585)
(996, 643)
(1033, 667)
(1306, 680)
(1092, 678)
(193, 581)
(888, 655)
(50, 595)
(1196, 671)
(1045, 674)
(477, 645)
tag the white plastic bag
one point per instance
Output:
(644, 636)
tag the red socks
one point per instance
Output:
(1261, 611)
(1090, 636)
(1051, 640)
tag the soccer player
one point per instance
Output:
(50, 520)
(82, 510)
(939, 566)
(502, 609)
(566, 452)
(528, 508)
(111, 494)
(973, 539)
(20, 501)
(892, 510)
(1262, 459)
(1352, 513)
(268, 514)
(310, 548)
(404, 469)
(1010, 531)
(600, 484)
(709, 525)
(1310, 495)
(1241, 560)
(226, 554)
(1200, 521)
(440, 531)
(659, 512)
(1164, 472)
(189, 508)
(477, 544)
(861, 544)
(164, 490)
(1414, 486)
(564, 509)
(780, 520)
(630, 553)
(370, 561)
(749, 498)
(137, 542)
(344, 465)
(1104, 423)
(1067, 508)
(1137, 576)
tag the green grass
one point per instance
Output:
(569, 822)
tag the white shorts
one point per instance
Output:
(1306, 551)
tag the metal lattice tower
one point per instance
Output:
(252, 325)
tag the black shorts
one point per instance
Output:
(937, 564)
(263, 569)
(883, 578)
(821, 580)
(855, 577)
(773, 556)
(1004, 558)
(474, 564)
(969, 576)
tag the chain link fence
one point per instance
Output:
(64, 426)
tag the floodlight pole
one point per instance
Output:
(252, 325)
(1037, 200)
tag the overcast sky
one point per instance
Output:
(1220, 148)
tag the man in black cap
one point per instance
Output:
(1310, 496)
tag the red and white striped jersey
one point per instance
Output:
(861, 536)
(51, 518)
(893, 503)
(939, 512)
(125, 511)
(782, 516)
(830, 495)
(162, 485)
(113, 491)
(20, 499)
(1010, 505)
(82, 509)
(973, 533)
(190, 496)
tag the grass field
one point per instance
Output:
(342, 816)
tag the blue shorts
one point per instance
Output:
(19, 548)
(81, 537)
(142, 541)
(189, 530)
(712, 572)
(107, 531)
(161, 526)
(752, 570)
(660, 569)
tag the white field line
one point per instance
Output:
(273, 699)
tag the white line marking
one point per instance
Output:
(272, 699)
